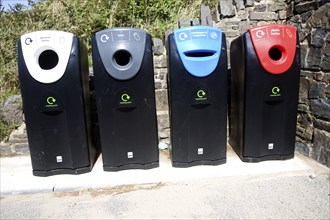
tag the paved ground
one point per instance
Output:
(293, 189)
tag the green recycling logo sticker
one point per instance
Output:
(125, 99)
(200, 95)
(51, 102)
(276, 91)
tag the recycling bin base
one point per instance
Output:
(197, 163)
(265, 158)
(132, 166)
(62, 171)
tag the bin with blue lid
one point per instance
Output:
(197, 86)
(125, 97)
(265, 71)
(54, 79)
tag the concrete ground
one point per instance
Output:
(293, 189)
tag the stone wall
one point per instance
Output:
(234, 17)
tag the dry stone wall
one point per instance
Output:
(234, 17)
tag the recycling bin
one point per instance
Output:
(125, 97)
(197, 86)
(54, 79)
(265, 69)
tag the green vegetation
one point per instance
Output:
(83, 18)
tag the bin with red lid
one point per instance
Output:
(265, 69)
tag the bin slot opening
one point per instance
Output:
(275, 53)
(122, 57)
(48, 59)
(201, 53)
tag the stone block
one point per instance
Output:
(165, 133)
(19, 135)
(158, 46)
(303, 148)
(206, 17)
(304, 134)
(11, 110)
(289, 9)
(325, 62)
(160, 74)
(306, 73)
(260, 8)
(320, 18)
(239, 4)
(313, 58)
(327, 91)
(186, 22)
(304, 88)
(21, 148)
(305, 16)
(321, 147)
(317, 37)
(227, 9)
(321, 124)
(242, 27)
(158, 84)
(242, 15)
(161, 100)
(317, 90)
(318, 76)
(320, 108)
(282, 15)
(160, 61)
(232, 33)
(305, 120)
(277, 5)
(303, 53)
(249, 3)
(5, 150)
(303, 108)
(305, 6)
(263, 16)
(163, 121)
(166, 141)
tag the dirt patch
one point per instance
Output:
(71, 193)
(124, 189)
(110, 190)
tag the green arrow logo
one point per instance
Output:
(51, 100)
(201, 93)
(125, 97)
(275, 90)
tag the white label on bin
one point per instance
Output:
(59, 159)
(129, 154)
(200, 151)
(34, 44)
(270, 146)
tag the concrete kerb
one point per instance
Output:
(17, 178)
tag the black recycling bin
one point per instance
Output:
(197, 85)
(53, 72)
(125, 97)
(265, 69)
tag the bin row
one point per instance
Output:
(261, 106)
